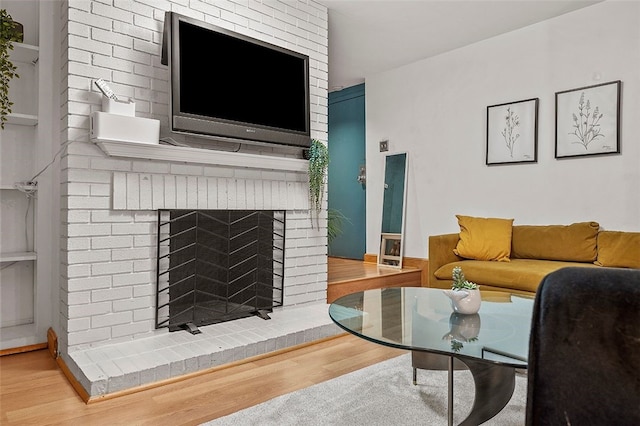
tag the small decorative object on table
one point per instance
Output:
(464, 295)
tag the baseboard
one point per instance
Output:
(75, 384)
(409, 262)
(371, 258)
(22, 349)
(52, 343)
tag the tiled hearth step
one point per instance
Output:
(120, 366)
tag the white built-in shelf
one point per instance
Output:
(200, 156)
(17, 256)
(22, 119)
(24, 53)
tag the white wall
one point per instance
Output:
(435, 110)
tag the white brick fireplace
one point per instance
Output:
(110, 193)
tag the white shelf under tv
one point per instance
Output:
(201, 156)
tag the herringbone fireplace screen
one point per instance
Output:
(218, 265)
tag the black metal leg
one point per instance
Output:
(494, 388)
(415, 376)
(494, 384)
(450, 395)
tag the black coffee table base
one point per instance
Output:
(494, 384)
(494, 388)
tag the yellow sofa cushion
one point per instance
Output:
(484, 238)
(519, 274)
(618, 249)
(572, 243)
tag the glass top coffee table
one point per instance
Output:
(492, 343)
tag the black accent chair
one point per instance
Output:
(584, 351)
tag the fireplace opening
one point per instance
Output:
(218, 265)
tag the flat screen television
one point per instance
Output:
(227, 85)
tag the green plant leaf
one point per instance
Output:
(8, 35)
(318, 163)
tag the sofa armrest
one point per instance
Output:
(441, 252)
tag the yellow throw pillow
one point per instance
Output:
(618, 249)
(484, 238)
(570, 243)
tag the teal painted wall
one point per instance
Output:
(347, 154)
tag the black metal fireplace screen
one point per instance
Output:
(218, 265)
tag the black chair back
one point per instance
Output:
(584, 350)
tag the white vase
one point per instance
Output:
(464, 301)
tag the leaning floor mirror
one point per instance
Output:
(393, 209)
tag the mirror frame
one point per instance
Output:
(393, 260)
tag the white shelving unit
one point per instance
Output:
(25, 53)
(22, 119)
(18, 256)
(19, 145)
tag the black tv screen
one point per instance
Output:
(227, 85)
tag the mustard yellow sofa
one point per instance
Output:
(535, 251)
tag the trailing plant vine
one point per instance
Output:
(8, 35)
(318, 163)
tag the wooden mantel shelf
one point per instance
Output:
(201, 156)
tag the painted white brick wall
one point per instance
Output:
(108, 244)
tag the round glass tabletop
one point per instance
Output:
(422, 319)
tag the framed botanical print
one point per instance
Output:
(512, 132)
(588, 120)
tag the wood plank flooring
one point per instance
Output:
(33, 390)
(347, 276)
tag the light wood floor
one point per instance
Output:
(348, 276)
(34, 391)
(340, 270)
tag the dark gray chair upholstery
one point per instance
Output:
(584, 351)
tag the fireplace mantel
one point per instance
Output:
(201, 156)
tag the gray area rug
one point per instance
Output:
(382, 394)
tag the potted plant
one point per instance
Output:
(10, 32)
(318, 163)
(335, 221)
(464, 295)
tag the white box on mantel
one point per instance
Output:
(122, 128)
(119, 107)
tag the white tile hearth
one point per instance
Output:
(115, 367)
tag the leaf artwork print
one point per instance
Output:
(586, 124)
(512, 121)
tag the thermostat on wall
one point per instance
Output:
(122, 128)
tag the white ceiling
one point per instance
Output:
(371, 36)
